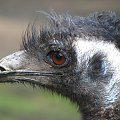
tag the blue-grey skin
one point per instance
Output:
(89, 76)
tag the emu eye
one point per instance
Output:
(57, 57)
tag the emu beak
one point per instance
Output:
(12, 62)
(19, 67)
(11, 65)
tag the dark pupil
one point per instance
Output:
(58, 56)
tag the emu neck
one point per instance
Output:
(111, 113)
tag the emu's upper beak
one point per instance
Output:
(20, 67)
(11, 66)
(12, 62)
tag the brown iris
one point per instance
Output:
(57, 57)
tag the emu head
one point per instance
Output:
(77, 57)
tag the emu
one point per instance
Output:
(77, 57)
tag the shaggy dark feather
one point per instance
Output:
(66, 27)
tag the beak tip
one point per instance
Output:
(2, 68)
(12, 62)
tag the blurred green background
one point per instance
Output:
(22, 102)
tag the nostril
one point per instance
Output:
(2, 68)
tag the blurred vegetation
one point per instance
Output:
(19, 102)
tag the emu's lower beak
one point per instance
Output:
(19, 67)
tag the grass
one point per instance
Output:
(18, 102)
